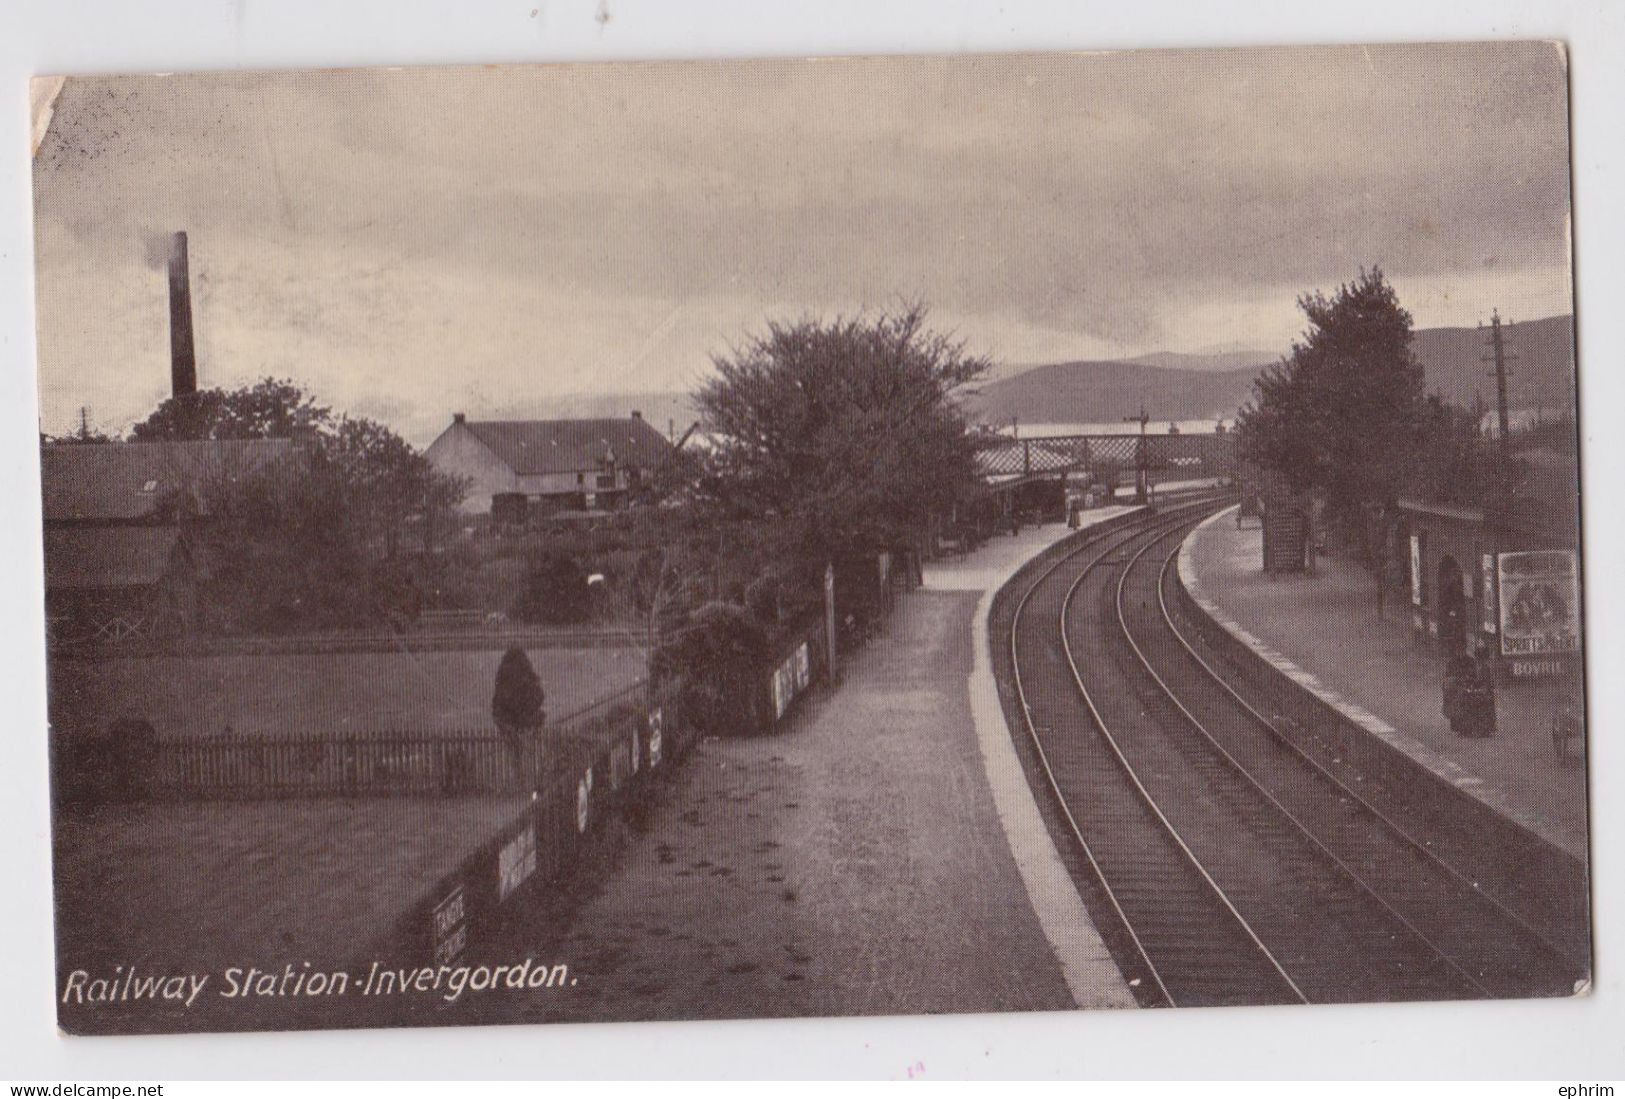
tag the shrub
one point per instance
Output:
(395, 591)
(762, 599)
(555, 592)
(718, 661)
(516, 701)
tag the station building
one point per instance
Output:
(1505, 578)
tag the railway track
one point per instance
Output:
(1232, 867)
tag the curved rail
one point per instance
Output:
(1258, 787)
(1049, 773)
(1325, 774)
(1145, 795)
(1216, 932)
(1117, 537)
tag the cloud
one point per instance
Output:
(539, 230)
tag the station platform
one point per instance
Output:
(868, 858)
(1323, 631)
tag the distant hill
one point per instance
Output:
(1106, 391)
(1216, 361)
(1193, 387)
(1541, 376)
(1175, 386)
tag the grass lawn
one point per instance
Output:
(186, 696)
(196, 887)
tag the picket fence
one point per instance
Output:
(380, 763)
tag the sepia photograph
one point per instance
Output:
(809, 537)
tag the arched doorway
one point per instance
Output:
(1452, 608)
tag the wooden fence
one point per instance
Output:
(610, 762)
(801, 658)
(606, 764)
(426, 638)
(381, 763)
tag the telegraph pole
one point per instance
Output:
(1499, 356)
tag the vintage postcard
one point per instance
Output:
(761, 538)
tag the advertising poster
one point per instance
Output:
(1540, 603)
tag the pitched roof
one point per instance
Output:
(570, 446)
(117, 557)
(1544, 504)
(125, 481)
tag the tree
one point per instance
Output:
(517, 698)
(284, 551)
(387, 481)
(310, 540)
(838, 438)
(1456, 464)
(271, 408)
(1343, 416)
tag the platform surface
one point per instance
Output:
(857, 861)
(1327, 626)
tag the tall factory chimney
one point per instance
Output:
(182, 363)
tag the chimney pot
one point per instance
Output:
(459, 418)
(636, 414)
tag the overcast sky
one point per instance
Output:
(414, 242)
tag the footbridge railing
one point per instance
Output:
(1185, 456)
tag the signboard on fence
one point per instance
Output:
(450, 923)
(790, 678)
(516, 862)
(1540, 602)
(1416, 570)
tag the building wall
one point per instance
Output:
(1439, 538)
(552, 484)
(1467, 542)
(112, 613)
(1474, 545)
(458, 453)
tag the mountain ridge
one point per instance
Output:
(1106, 390)
(1174, 385)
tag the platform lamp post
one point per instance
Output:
(1139, 454)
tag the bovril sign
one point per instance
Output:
(1548, 667)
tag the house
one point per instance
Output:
(145, 483)
(115, 584)
(517, 467)
(120, 562)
